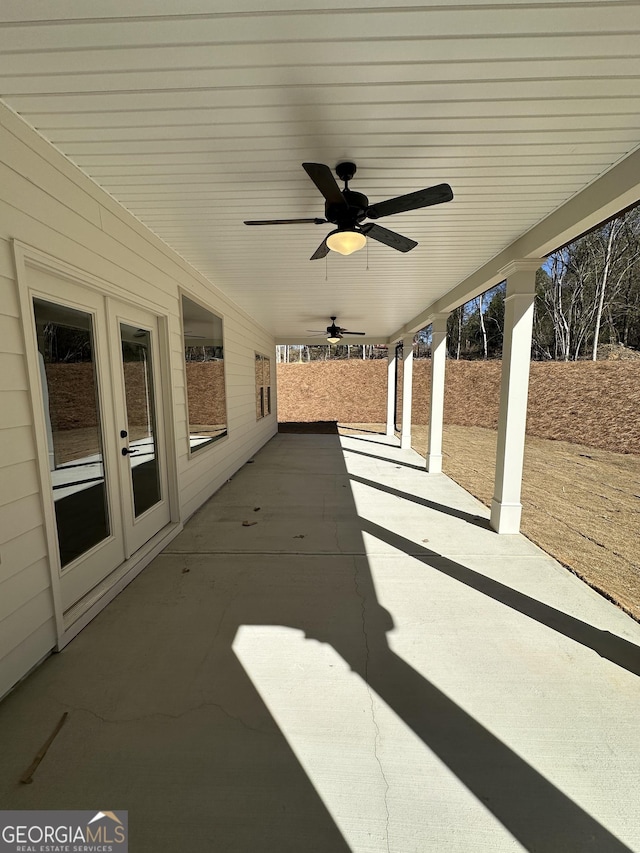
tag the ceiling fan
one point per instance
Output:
(348, 209)
(334, 333)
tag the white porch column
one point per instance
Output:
(506, 508)
(436, 402)
(391, 388)
(407, 389)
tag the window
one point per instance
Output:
(263, 386)
(204, 364)
(66, 352)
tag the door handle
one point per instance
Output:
(127, 452)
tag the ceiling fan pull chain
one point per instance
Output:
(367, 256)
(326, 267)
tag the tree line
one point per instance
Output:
(296, 353)
(587, 295)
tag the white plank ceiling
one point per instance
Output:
(198, 114)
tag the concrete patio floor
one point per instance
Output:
(367, 667)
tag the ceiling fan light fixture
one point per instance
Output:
(345, 241)
(335, 339)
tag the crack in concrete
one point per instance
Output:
(370, 693)
(211, 648)
(159, 714)
(203, 703)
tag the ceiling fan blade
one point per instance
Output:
(411, 201)
(321, 252)
(389, 238)
(283, 221)
(347, 332)
(322, 177)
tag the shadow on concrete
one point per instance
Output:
(388, 444)
(540, 816)
(357, 431)
(198, 754)
(477, 520)
(359, 437)
(375, 456)
(604, 643)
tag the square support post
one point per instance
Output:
(436, 402)
(391, 388)
(506, 508)
(407, 390)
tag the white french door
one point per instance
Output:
(140, 435)
(101, 383)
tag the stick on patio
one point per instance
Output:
(27, 776)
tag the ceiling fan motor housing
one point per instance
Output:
(334, 331)
(347, 217)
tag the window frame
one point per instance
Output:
(213, 440)
(266, 409)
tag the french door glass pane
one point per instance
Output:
(141, 421)
(72, 415)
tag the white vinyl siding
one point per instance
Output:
(48, 204)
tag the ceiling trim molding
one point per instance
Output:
(609, 194)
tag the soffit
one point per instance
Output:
(197, 115)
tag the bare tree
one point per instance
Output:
(454, 332)
(616, 255)
(483, 328)
(560, 309)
